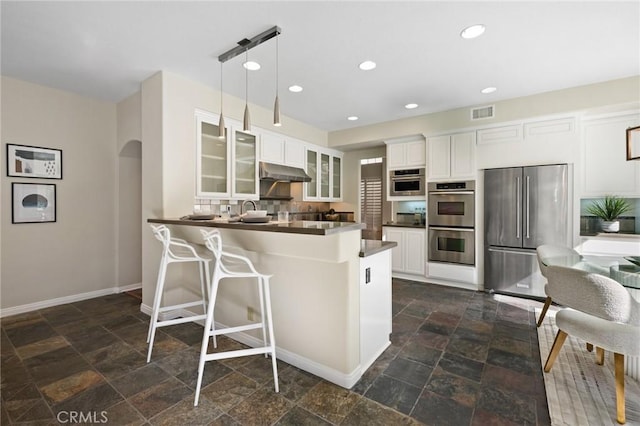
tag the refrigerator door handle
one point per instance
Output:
(528, 200)
(518, 209)
(501, 250)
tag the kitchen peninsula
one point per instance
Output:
(330, 291)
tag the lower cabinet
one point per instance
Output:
(375, 306)
(409, 255)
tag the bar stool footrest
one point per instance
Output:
(182, 320)
(238, 353)
(176, 307)
(238, 329)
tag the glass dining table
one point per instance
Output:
(623, 269)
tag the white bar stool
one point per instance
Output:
(176, 250)
(242, 268)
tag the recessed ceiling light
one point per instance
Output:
(352, 118)
(411, 106)
(251, 65)
(367, 65)
(488, 90)
(295, 88)
(473, 31)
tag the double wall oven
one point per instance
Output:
(451, 216)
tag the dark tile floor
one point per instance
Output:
(457, 358)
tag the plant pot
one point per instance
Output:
(610, 226)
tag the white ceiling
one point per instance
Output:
(105, 50)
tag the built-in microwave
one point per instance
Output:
(407, 182)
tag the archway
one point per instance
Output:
(129, 216)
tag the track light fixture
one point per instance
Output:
(244, 46)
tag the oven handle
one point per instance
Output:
(451, 192)
(438, 228)
(411, 177)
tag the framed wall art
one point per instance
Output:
(34, 162)
(33, 202)
(633, 143)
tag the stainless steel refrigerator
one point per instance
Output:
(524, 207)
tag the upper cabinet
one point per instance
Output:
(451, 156)
(406, 153)
(606, 169)
(226, 167)
(280, 149)
(325, 168)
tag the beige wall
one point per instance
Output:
(616, 92)
(76, 254)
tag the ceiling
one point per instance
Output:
(105, 50)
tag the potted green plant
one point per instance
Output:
(609, 210)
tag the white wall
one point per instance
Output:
(76, 254)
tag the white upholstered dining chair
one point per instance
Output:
(604, 313)
(555, 291)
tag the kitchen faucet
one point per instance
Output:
(253, 203)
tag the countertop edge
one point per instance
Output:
(289, 228)
(370, 247)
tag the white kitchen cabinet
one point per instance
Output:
(375, 306)
(606, 170)
(272, 148)
(406, 154)
(280, 149)
(294, 151)
(226, 168)
(409, 255)
(451, 156)
(325, 169)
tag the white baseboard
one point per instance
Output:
(15, 310)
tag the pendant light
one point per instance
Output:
(276, 105)
(246, 122)
(222, 131)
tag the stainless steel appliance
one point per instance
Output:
(451, 217)
(452, 204)
(452, 245)
(407, 182)
(524, 207)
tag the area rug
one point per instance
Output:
(580, 392)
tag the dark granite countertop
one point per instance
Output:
(369, 247)
(310, 227)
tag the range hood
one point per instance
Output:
(278, 172)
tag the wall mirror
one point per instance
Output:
(633, 143)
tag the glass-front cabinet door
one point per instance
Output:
(336, 174)
(324, 175)
(212, 159)
(312, 171)
(244, 178)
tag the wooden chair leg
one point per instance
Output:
(619, 373)
(547, 303)
(555, 350)
(589, 347)
(599, 355)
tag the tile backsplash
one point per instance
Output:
(207, 206)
